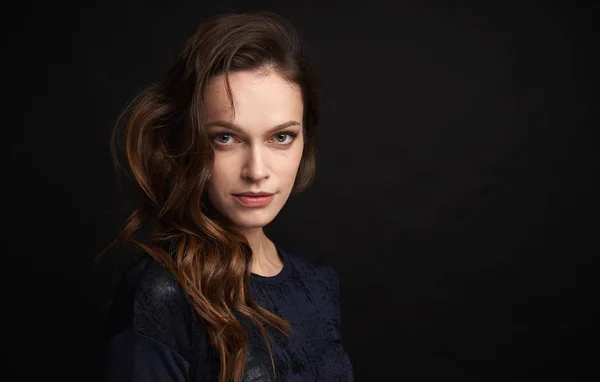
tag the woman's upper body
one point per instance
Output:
(215, 150)
(155, 335)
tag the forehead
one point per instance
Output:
(258, 98)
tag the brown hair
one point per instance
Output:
(170, 158)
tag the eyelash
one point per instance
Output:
(289, 133)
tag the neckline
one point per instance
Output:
(282, 275)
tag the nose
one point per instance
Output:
(255, 166)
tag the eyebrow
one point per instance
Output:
(234, 127)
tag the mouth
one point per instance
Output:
(253, 200)
(254, 194)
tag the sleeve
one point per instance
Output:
(334, 287)
(154, 340)
(133, 357)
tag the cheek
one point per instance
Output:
(220, 174)
(299, 157)
(290, 169)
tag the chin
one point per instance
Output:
(253, 221)
(253, 218)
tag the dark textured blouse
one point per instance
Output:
(155, 335)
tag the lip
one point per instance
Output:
(252, 193)
(254, 201)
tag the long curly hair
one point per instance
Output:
(170, 159)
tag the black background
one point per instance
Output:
(454, 192)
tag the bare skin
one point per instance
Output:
(256, 158)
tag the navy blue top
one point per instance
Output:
(155, 335)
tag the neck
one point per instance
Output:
(265, 260)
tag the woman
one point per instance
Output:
(215, 150)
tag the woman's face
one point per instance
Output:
(253, 154)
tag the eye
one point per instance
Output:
(286, 134)
(220, 135)
(279, 137)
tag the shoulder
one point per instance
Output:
(311, 267)
(320, 279)
(147, 284)
(156, 286)
(150, 301)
